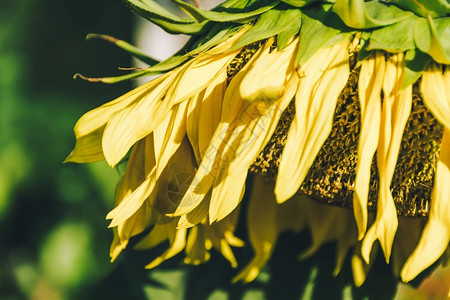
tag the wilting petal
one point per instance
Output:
(315, 103)
(199, 73)
(207, 170)
(98, 117)
(177, 241)
(88, 148)
(435, 88)
(197, 246)
(436, 235)
(396, 109)
(168, 139)
(369, 92)
(127, 126)
(359, 267)
(204, 115)
(327, 224)
(262, 230)
(408, 235)
(268, 77)
(266, 220)
(255, 125)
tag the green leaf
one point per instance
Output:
(270, 24)
(151, 10)
(363, 15)
(319, 29)
(435, 8)
(397, 37)
(433, 37)
(228, 15)
(284, 36)
(415, 62)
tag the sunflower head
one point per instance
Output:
(308, 103)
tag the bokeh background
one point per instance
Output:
(54, 241)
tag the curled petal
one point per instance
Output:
(369, 92)
(396, 109)
(315, 102)
(436, 234)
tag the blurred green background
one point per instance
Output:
(54, 241)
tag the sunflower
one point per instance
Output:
(308, 103)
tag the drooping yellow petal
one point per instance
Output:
(221, 235)
(435, 88)
(359, 267)
(125, 127)
(133, 178)
(168, 139)
(197, 246)
(369, 92)
(408, 235)
(436, 234)
(207, 170)
(204, 115)
(396, 109)
(315, 103)
(88, 148)
(156, 236)
(254, 127)
(326, 224)
(210, 112)
(262, 229)
(98, 117)
(268, 77)
(177, 241)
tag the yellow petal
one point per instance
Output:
(88, 148)
(396, 109)
(325, 75)
(98, 117)
(408, 235)
(435, 88)
(262, 229)
(369, 92)
(177, 240)
(253, 128)
(210, 111)
(197, 251)
(125, 127)
(359, 267)
(156, 236)
(204, 115)
(168, 139)
(268, 77)
(436, 234)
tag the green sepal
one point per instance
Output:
(435, 8)
(191, 29)
(284, 36)
(219, 33)
(364, 15)
(269, 24)
(318, 30)
(116, 79)
(415, 62)
(151, 10)
(363, 51)
(223, 14)
(397, 37)
(432, 36)
(136, 52)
